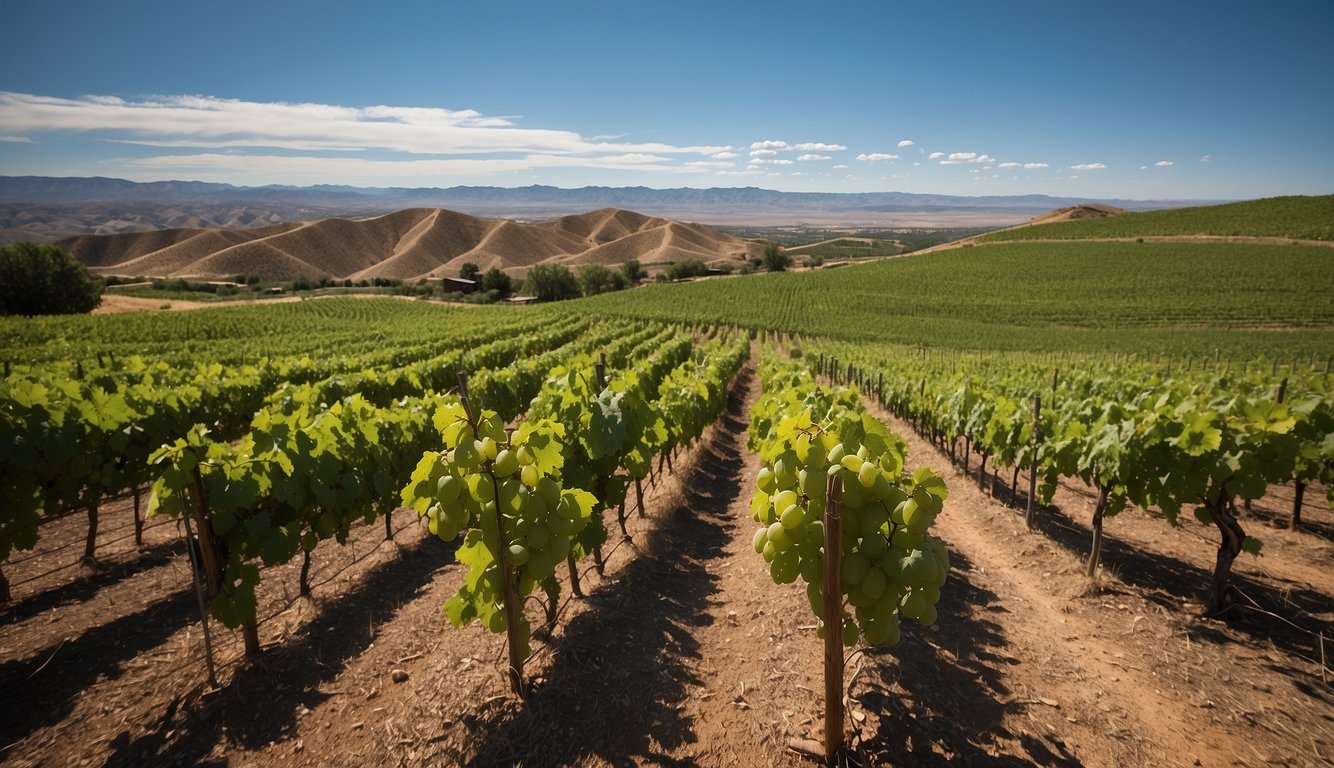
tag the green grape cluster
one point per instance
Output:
(891, 566)
(483, 472)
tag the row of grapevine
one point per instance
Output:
(72, 442)
(308, 469)
(524, 500)
(1169, 443)
(835, 481)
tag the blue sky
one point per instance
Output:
(1171, 99)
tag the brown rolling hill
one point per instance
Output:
(407, 245)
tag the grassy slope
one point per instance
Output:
(1294, 217)
(1179, 298)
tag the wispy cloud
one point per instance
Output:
(760, 153)
(433, 137)
(905, 143)
(955, 158)
(725, 156)
(815, 146)
(935, 155)
(369, 172)
(1207, 159)
(1163, 164)
(1088, 167)
(1025, 166)
(769, 161)
(17, 139)
(874, 156)
(807, 157)
(708, 164)
(840, 167)
(770, 144)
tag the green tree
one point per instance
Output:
(495, 280)
(687, 268)
(775, 259)
(633, 271)
(42, 280)
(598, 278)
(551, 282)
(469, 271)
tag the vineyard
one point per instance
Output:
(1083, 517)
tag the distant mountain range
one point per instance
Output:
(407, 245)
(48, 208)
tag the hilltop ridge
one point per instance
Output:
(405, 245)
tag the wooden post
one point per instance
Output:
(833, 620)
(1030, 515)
(138, 520)
(90, 544)
(197, 498)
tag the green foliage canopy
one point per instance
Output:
(40, 279)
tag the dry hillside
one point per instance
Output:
(408, 244)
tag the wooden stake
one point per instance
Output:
(833, 619)
(1030, 514)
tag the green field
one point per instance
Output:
(1176, 298)
(1294, 217)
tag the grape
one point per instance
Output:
(518, 555)
(447, 490)
(760, 539)
(549, 490)
(784, 568)
(849, 633)
(558, 548)
(540, 565)
(785, 499)
(855, 566)
(778, 537)
(766, 480)
(867, 474)
(538, 536)
(873, 583)
(529, 476)
(792, 517)
(506, 463)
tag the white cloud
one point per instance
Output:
(1089, 167)
(935, 155)
(1011, 165)
(770, 144)
(1035, 166)
(1144, 167)
(208, 123)
(905, 143)
(955, 158)
(17, 139)
(873, 156)
(705, 164)
(815, 146)
(814, 157)
(1163, 163)
(369, 172)
(725, 156)
(763, 153)
(1025, 166)
(769, 161)
(840, 167)
(1207, 159)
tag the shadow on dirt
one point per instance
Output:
(949, 686)
(261, 703)
(43, 689)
